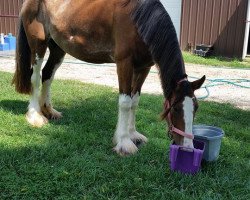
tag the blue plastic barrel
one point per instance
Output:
(11, 40)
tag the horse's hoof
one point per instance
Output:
(51, 113)
(36, 119)
(125, 147)
(138, 139)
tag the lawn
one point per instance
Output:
(216, 61)
(72, 158)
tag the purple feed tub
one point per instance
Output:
(186, 160)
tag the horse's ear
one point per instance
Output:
(198, 83)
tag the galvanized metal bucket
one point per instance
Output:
(212, 137)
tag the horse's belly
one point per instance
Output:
(85, 48)
(88, 54)
(97, 58)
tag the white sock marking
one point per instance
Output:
(35, 80)
(188, 108)
(122, 137)
(122, 130)
(135, 103)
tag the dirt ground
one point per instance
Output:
(106, 75)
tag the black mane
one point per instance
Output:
(157, 30)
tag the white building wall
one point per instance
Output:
(173, 8)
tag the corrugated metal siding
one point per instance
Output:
(9, 11)
(173, 8)
(220, 23)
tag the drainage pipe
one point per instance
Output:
(246, 32)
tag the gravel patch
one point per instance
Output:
(106, 75)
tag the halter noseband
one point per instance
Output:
(172, 128)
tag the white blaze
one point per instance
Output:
(188, 108)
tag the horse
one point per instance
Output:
(134, 34)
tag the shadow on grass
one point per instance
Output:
(15, 106)
(75, 158)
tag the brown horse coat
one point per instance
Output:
(96, 31)
(134, 34)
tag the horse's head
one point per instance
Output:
(180, 110)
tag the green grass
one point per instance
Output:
(72, 158)
(215, 61)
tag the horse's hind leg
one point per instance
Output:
(55, 60)
(138, 80)
(31, 48)
(34, 115)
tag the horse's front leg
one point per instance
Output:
(124, 144)
(55, 60)
(139, 77)
(134, 135)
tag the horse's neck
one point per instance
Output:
(171, 74)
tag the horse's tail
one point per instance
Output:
(22, 76)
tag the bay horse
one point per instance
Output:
(134, 34)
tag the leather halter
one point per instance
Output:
(172, 128)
